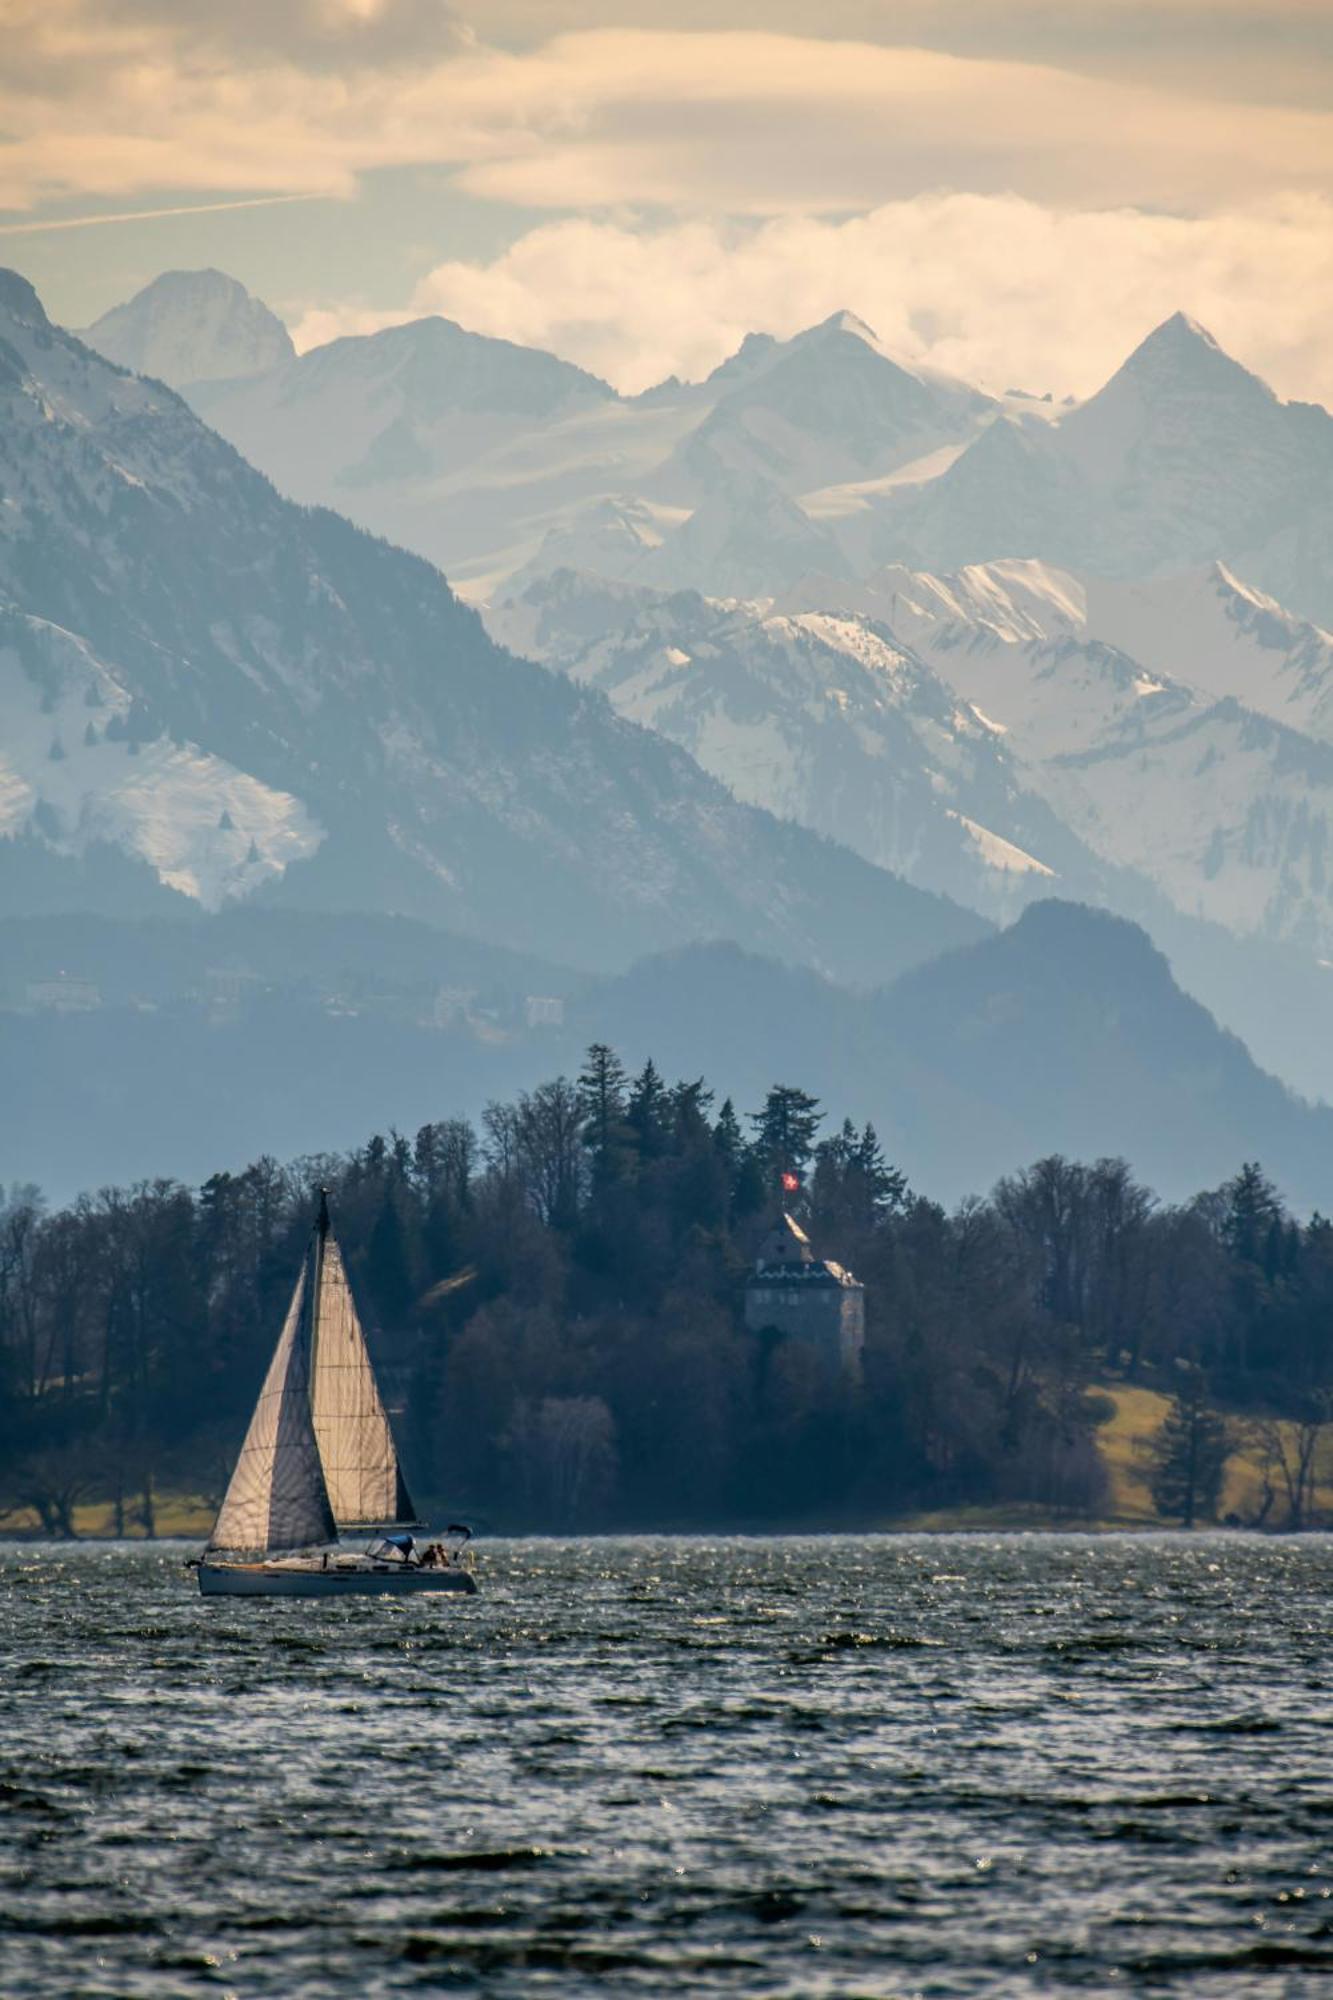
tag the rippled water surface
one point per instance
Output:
(854, 1766)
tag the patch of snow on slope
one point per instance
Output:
(1205, 626)
(848, 635)
(999, 853)
(207, 830)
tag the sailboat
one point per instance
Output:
(319, 1461)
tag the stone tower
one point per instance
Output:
(794, 1293)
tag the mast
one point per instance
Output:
(318, 1239)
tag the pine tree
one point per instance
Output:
(601, 1088)
(785, 1130)
(853, 1184)
(648, 1112)
(387, 1271)
(690, 1102)
(1190, 1454)
(1252, 1207)
(727, 1136)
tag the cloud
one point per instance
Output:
(1005, 216)
(118, 99)
(995, 288)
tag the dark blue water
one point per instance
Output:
(854, 1766)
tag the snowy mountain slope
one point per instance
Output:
(1208, 628)
(750, 498)
(1184, 457)
(1226, 812)
(465, 449)
(931, 723)
(73, 767)
(823, 719)
(375, 409)
(828, 405)
(1202, 626)
(492, 459)
(487, 457)
(191, 327)
(342, 679)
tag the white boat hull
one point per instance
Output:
(276, 1580)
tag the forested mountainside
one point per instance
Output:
(176, 1049)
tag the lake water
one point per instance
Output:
(999, 1765)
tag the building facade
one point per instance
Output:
(796, 1295)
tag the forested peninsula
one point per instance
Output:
(555, 1302)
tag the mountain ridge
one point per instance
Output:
(402, 760)
(1063, 1033)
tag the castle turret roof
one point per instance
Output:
(786, 1243)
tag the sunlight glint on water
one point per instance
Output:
(851, 1766)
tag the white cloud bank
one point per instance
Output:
(995, 288)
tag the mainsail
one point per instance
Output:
(277, 1498)
(356, 1445)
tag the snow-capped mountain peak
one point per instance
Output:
(1179, 381)
(752, 352)
(192, 326)
(842, 322)
(1178, 358)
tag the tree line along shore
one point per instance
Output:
(554, 1301)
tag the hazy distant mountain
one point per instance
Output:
(178, 1045)
(1184, 457)
(828, 405)
(818, 451)
(1065, 1033)
(245, 697)
(377, 409)
(190, 327)
(1068, 1032)
(487, 457)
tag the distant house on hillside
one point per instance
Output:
(63, 995)
(452, 1005)
(543, 1010)
(228, 986)
(793, 1293)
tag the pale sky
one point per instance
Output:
(1016, 192)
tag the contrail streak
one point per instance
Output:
(152, 214)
